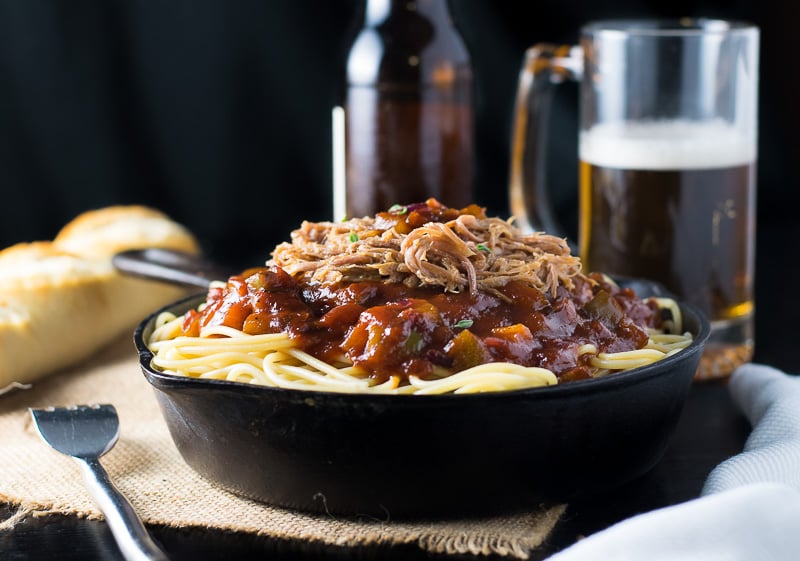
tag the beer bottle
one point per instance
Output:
(406, 129)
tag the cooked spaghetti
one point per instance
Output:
(419, 299)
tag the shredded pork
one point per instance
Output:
(467, 253)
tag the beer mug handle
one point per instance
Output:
(545, 65)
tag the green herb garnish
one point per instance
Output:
(464, 324)
(353, 237)
(483, 247)
(415, 342)
(398, 209)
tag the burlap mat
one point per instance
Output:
(148, 469)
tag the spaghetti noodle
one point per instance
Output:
(418, 300)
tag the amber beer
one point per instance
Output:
(675, 203)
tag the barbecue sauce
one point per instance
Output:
(389, 329)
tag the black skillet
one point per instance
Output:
(413, 456)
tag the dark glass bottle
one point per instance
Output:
(408, 109)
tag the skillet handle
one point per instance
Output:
(130, 534)
(169, 266)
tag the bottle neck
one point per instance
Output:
(409, 43)
(378, 11)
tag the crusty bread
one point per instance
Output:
(62, 301)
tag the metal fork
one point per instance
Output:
(86, 432)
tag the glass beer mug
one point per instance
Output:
(667, 150)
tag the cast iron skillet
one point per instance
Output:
(412, 456)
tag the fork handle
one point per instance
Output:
(130, 534)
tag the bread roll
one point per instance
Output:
(62, 301)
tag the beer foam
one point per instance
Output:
(666, 145)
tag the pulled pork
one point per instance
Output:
(428, 244)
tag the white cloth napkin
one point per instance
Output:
(750, 508)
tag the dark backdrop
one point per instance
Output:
(218, 112)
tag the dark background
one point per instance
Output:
(218, 112)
